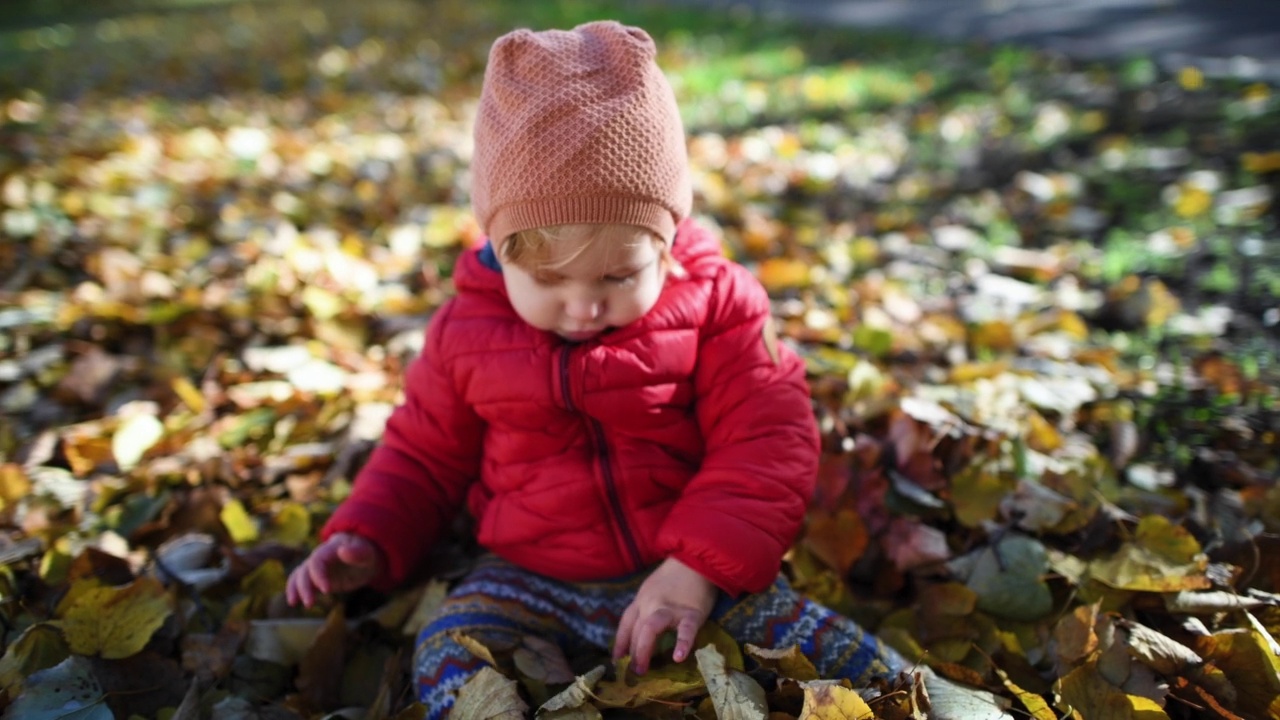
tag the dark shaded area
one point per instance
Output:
(1224, 37)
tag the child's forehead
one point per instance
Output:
(607, 234)
(594, 246)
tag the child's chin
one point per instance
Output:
(580, 336)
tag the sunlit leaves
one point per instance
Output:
(830, 701)
(207, 305)
(113, 622)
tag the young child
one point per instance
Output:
(605, 393)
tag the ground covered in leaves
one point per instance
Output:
(1038, 300)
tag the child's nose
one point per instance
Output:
(582, 309)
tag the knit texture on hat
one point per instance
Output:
(578, 126)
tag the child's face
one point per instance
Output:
(590, 278)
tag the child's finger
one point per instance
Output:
(290, 590)
(622, 639)
(686, 631)
(356, 552)
(646, 635)
(301, 585)
(318, 567)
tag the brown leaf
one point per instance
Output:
(543, 661)
(209, 656)
(838, 539)
(1074, 636)
(320, 671)
(107, 568)
(140, 685)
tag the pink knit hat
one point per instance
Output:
(578, 126)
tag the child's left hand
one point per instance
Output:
(674, 596)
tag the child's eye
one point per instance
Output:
(547, 280)
(620, 279)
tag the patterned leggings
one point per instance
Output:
(499, 602)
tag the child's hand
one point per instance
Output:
(674, 596)
(343, 562)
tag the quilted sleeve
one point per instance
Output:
(741, 511)
(414, 483)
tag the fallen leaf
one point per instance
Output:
(1036, 705)
(238, 522)
(952, 701)
(135, 436)
(284, 641)
(733, 693)
(543, 661)
(39, 647)
(114, 622)
(790, 663)
(66, 691)
(1008, 578)
(1086, 692)
(827, 700)
(1246, 659)
(838, 539)
(1161, 652)
(489, 696)
(571, 703)
(321, 668)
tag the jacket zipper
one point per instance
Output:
(606, 466)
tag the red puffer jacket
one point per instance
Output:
(679, 435)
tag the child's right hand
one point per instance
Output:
(342, 563)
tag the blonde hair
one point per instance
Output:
(530, 249)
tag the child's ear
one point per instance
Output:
(669, 262)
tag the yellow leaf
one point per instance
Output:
(824, 700)
(1191, 78)
(783, 273)
(1192, 202)
(669, 682)
(977, 491)
(1136, 568)
(971, 371)
(1246, 659)
(291, 525)
(473, 646)
(790, 663)
(266, 581)
(114, 622)
(238, 523)
(1041, 436)
(995, 335)
(188, 393)
(14, 484)
(1172, 542)
(1087, 692)
(1261, 163)
(1035, 705)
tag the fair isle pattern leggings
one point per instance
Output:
(500, 603)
